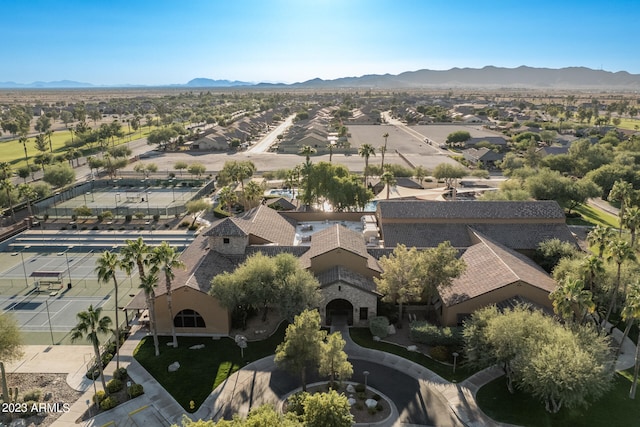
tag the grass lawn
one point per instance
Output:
(614, 409)
(362, 337)
(592, 216)
(201, 371)
(627, 123)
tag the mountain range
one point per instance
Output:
(489, 77)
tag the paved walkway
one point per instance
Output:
(251, 386)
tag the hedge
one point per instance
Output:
(426, 333)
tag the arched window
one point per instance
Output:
(188, 319)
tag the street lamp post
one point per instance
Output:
(85, 197)
(366, 374)
(24, 268)
(116, 198)
(55, 203)
(68, 268)
(148, 195)
(455, 358)
(46, 302)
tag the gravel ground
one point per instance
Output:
(55, 384)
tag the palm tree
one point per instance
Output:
(331, 145)
(571, 301)
(600, 236)
(593, 267)
(135, 253)
(228, 197)
(148, 285)
(90, 324)
(165, 258)
(631, 220)
(622, 192)
(383, 149)
(366, 150)
(23, 140)
(388, 180)
(27, 193)
(252, 192)
(619, 252)
(630, 312)
(106, 267)
(7, 186)
(307, 151)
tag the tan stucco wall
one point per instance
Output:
(535, 295)
(341, 257)
(216, 318)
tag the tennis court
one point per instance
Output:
(33, 311)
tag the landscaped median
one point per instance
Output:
(201, 370)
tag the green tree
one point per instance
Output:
(389, 181)
(59, 175)
(90, 324)
(165, 258)
(600, 236)
(441, 265)
(450, 174)
(28, 194)
(631, 220)
(630, 313)
(619, 252)
(252, 193)
(366, 151)
(550, 251)
(307, 151)
(402, 274)
(10, 338)
(302, 345)
(196, 169)
(262, 416)
(622, 192)
(458, 137)
(571, 302)
(161, 137)
(228, 198)
(106, 268)
(196, 206)
(333, 359)
(180, 166)
(327, 410)
(146, 169)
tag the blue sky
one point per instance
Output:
(155, 42)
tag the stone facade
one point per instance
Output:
(229, 245)
(358, 298)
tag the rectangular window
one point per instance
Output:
(225, 240)
(364, 313)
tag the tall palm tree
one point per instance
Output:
(28, 194)
(621, 191)
(135, 253)
(228, 197)
(383, 149)
(106, 268)
(630, 312)
(366, 150)
(23, 140)
(165, 258)
(148, 285)
(571, 301)
(600, 236)
(90, 324)
(593, 267)
(252, 193)
(619, 252)
(331, 145)
(307, 151)
(388, 180)
(631, 220)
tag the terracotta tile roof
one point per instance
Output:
(463, 209)
(491, 266)
(342, 274)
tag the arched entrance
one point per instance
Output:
(339, 308)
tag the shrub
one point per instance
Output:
(372, 410)
(135, 390)
(95, 227)
(184, 224)
(106, 358)
(120, 374)
(109, 403)
(360, 388)
(32, 395)
(359, 406)
(426, 333)
(29, 406)
(114, 385)
(379, 326)
(440, 353)
(193, 227)
(139, 215)
(99, 396)
(379, 407)
(361, 395)
(376, 396)
(156, 217)
(295, 402)
(128, 218)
